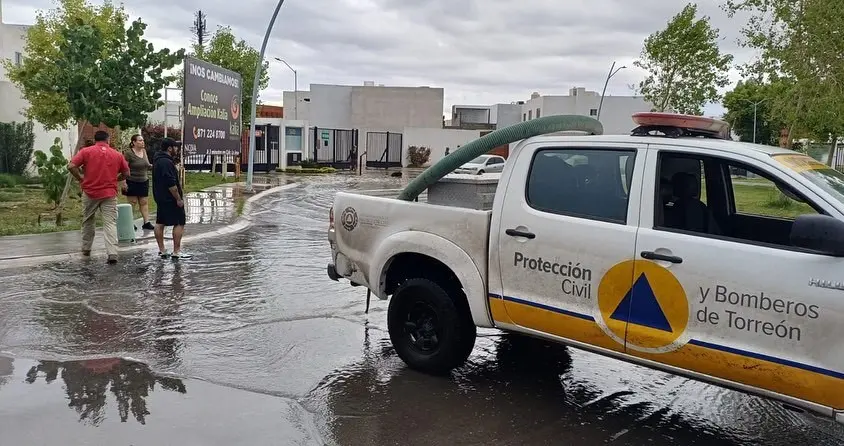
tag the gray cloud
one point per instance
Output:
(480, 51)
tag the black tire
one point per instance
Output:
(419, 309)
(480, 172)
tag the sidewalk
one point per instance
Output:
(212, 211)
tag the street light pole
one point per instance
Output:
(295, 88)
(755, 105)
(612, 73)
(254, 111)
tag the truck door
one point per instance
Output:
(566, 234)
(735, 300)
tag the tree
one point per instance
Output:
(740, 107)
(16, 143)
(227, 51)
(799, 42)
(684, 64)
(52, 171)
(96, 72)
(199, 29)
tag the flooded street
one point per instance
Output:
(250, 343)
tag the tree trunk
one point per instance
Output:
(66, 191)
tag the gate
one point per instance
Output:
(383, 149)
(335, 147)
(267, 147)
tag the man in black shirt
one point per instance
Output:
(167, 192)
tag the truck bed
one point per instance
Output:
(367, 224)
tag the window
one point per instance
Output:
(727, 199)
(524, 117)
(495, 161)
(18, 58)
(580, 182)
(530, 114)
(593, 112)
(537, 112)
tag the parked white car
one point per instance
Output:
(638, 247)
(482, 164)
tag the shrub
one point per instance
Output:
(154, 133)
(308, 164)
(52, 171)
(418, 156)
(8, 181)
(16, 143)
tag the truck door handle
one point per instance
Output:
(650, 255)
(517, 233)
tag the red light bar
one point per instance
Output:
(691, 122)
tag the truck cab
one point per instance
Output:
(687, 253)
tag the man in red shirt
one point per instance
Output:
(103, 167)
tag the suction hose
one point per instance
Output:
(507, 135)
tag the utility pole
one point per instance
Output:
(612, 73)
(254, 112)
(755, 105)
(295, 88)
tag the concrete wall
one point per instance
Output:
(13, 105)
(471, 114)
(437, 139)
(394, 108)
(504, 115)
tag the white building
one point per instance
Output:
(616, 111)
(368, 106)
(12, 104)
(493, 116)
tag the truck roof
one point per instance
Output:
(707, 143)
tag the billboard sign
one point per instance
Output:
(212, 109)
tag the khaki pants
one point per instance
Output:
(108, 209)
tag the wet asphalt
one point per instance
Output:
(250, 343)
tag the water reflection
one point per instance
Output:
(87, 382)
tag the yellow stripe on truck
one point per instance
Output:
(806, 382)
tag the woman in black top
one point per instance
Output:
(136, 185)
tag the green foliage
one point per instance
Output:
(154, 133)
(227, 51)
(16, 144)
(84, 64)
(418, 156)
(800, 43)
(8, 181)
(52, 171)
(684, 64)
(739, 104)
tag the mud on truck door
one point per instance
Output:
(566, 239)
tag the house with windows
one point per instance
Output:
(615, 110)
(12, 104)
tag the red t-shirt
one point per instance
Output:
(101, 164)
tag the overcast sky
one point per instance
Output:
(479, 51)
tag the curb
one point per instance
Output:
(241, 223)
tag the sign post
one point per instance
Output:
(212, 110)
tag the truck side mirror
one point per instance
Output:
(820, 233)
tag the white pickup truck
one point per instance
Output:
(703, 257)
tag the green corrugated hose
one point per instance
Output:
(507, 135)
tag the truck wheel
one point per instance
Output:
(429, 332)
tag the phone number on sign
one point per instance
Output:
(210, 134)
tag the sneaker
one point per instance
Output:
(112, 260)
(136, 228)
(180, 255)
(148, 226)
(164, 255)
(86, 252)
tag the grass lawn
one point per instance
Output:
(24, 209)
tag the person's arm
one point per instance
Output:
(75, 163)
(124, 170)
(170, 179)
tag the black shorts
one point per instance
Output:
(168, 214)
(137, 188)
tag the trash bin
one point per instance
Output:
(125, 223)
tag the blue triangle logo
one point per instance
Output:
(646, 312)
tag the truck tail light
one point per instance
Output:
(331, 217)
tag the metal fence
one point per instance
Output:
(267, 153)
(335, 147)
(383, 149)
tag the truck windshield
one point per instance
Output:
(821, 175)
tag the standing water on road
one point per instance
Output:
(250, 343)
